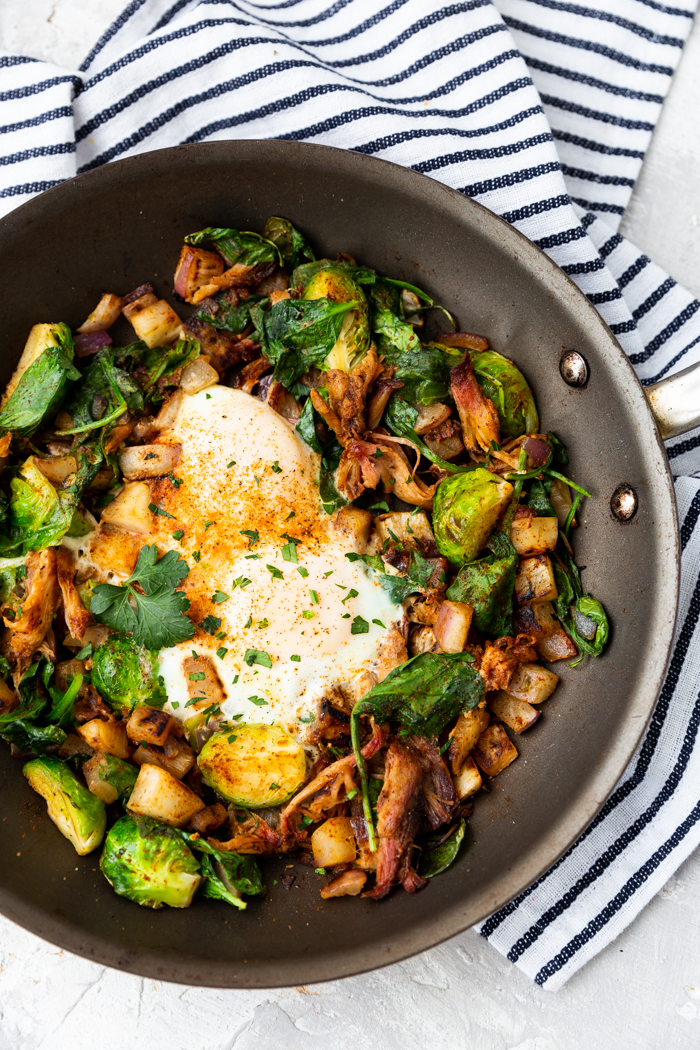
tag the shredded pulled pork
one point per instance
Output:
(438, 789)
(76, 615)
(250, 374)
(383, 390)
(364, 464)
(252, 836)
(400, 811)
(224, 349)
(502, 657)
(344, 412)
(477, 413)
(27, 632)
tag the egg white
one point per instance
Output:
(243, 467)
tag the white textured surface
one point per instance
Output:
(641, 993)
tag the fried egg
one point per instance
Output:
(269, 582)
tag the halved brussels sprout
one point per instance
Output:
(125, 674)
(253, 765)
(150, 864)
(465, 510)
(288, 241)
(352, 343)
(40, 380)
(77, 813)
(506, 386)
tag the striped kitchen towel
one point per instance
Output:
(540, 109)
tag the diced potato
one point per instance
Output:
(468, 780)
(40, 337)
(198, 376)
(468, 728)
(334, 843)
(560, 498)
(452, 626)
(209, 819)
(153, 320)
(494, 750)
(534, 535)
(518, 715)
(130, 509)
(176, 757)
(348, 884)
(160, 795)
(410, 527)
(149, 461)
(535, 580)
(355, 524)
(103, 316)
(109, 737)
(422, 640)
(102, 788)
(57, 468)
(73, 745)
(556, 646)
(149, 724)
(532, 683)
(168, 414)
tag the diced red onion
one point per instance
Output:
(90, 342)
(538, 451)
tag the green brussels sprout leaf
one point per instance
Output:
(32, 699)
(149, 863)
(228, 318)
(228, 875)
(44, 384)
(75, 811)
(505, 385)
(538, 498)
(424, 372)
(126, 675)
(487, 585)
(289, 242)
(306, 427)
(440, 851)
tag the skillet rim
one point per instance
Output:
(591, 798)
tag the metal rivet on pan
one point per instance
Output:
(574, 368)
(624, 503)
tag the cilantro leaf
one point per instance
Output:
(160, 619)
(257, 656)
(170, 571)
(359, 626)
(211, 624)
(111, 606)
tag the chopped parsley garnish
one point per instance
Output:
(352, 593)
(351, 794)
(197, 676)
(295, 658)
(378, 454)
(302, 571)
(383, 506)
(84, 652)
(220, 635)
(314, 597)
(232, 738)
(292, 514)
(231, 464)
(178, 534)
(307, 614)
(211, 624)
(176, 481)
(155, 509)
(235, 682)
(249, 622)
(262, 624)
(207, 525)
(156, 618)
(175, 704)
(257, 656)
(196, 555)
(320, 871)
(242, 582)
(252, 534)
(289, 552)
(307, 719)
(252, 557)
(345, 616)
(276, 573)
(274, 787)
(327, 574)
(276, 467)
(221, 653)
(359, 626)
(259, 701)
(379, 624)
(218, 597)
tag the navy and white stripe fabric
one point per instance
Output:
(540, 109)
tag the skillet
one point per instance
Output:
(123, 224)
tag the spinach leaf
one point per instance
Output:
(398, 588)
(390, 330)
(582, 616)
(424, 372)
(331, 498)
(32, 699)
(400, 418)
(61, 712)
(299, 333)
(306, 427)
(487, 585)
(439, 852)
(242, 247)
(43, 386)
(105, 393)
(230, 318)
(154, 368)
(538, 498)
(289, 242)
(29, 737)
(560, 457)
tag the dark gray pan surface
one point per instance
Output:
(123, 224)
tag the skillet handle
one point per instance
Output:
(675, 402)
